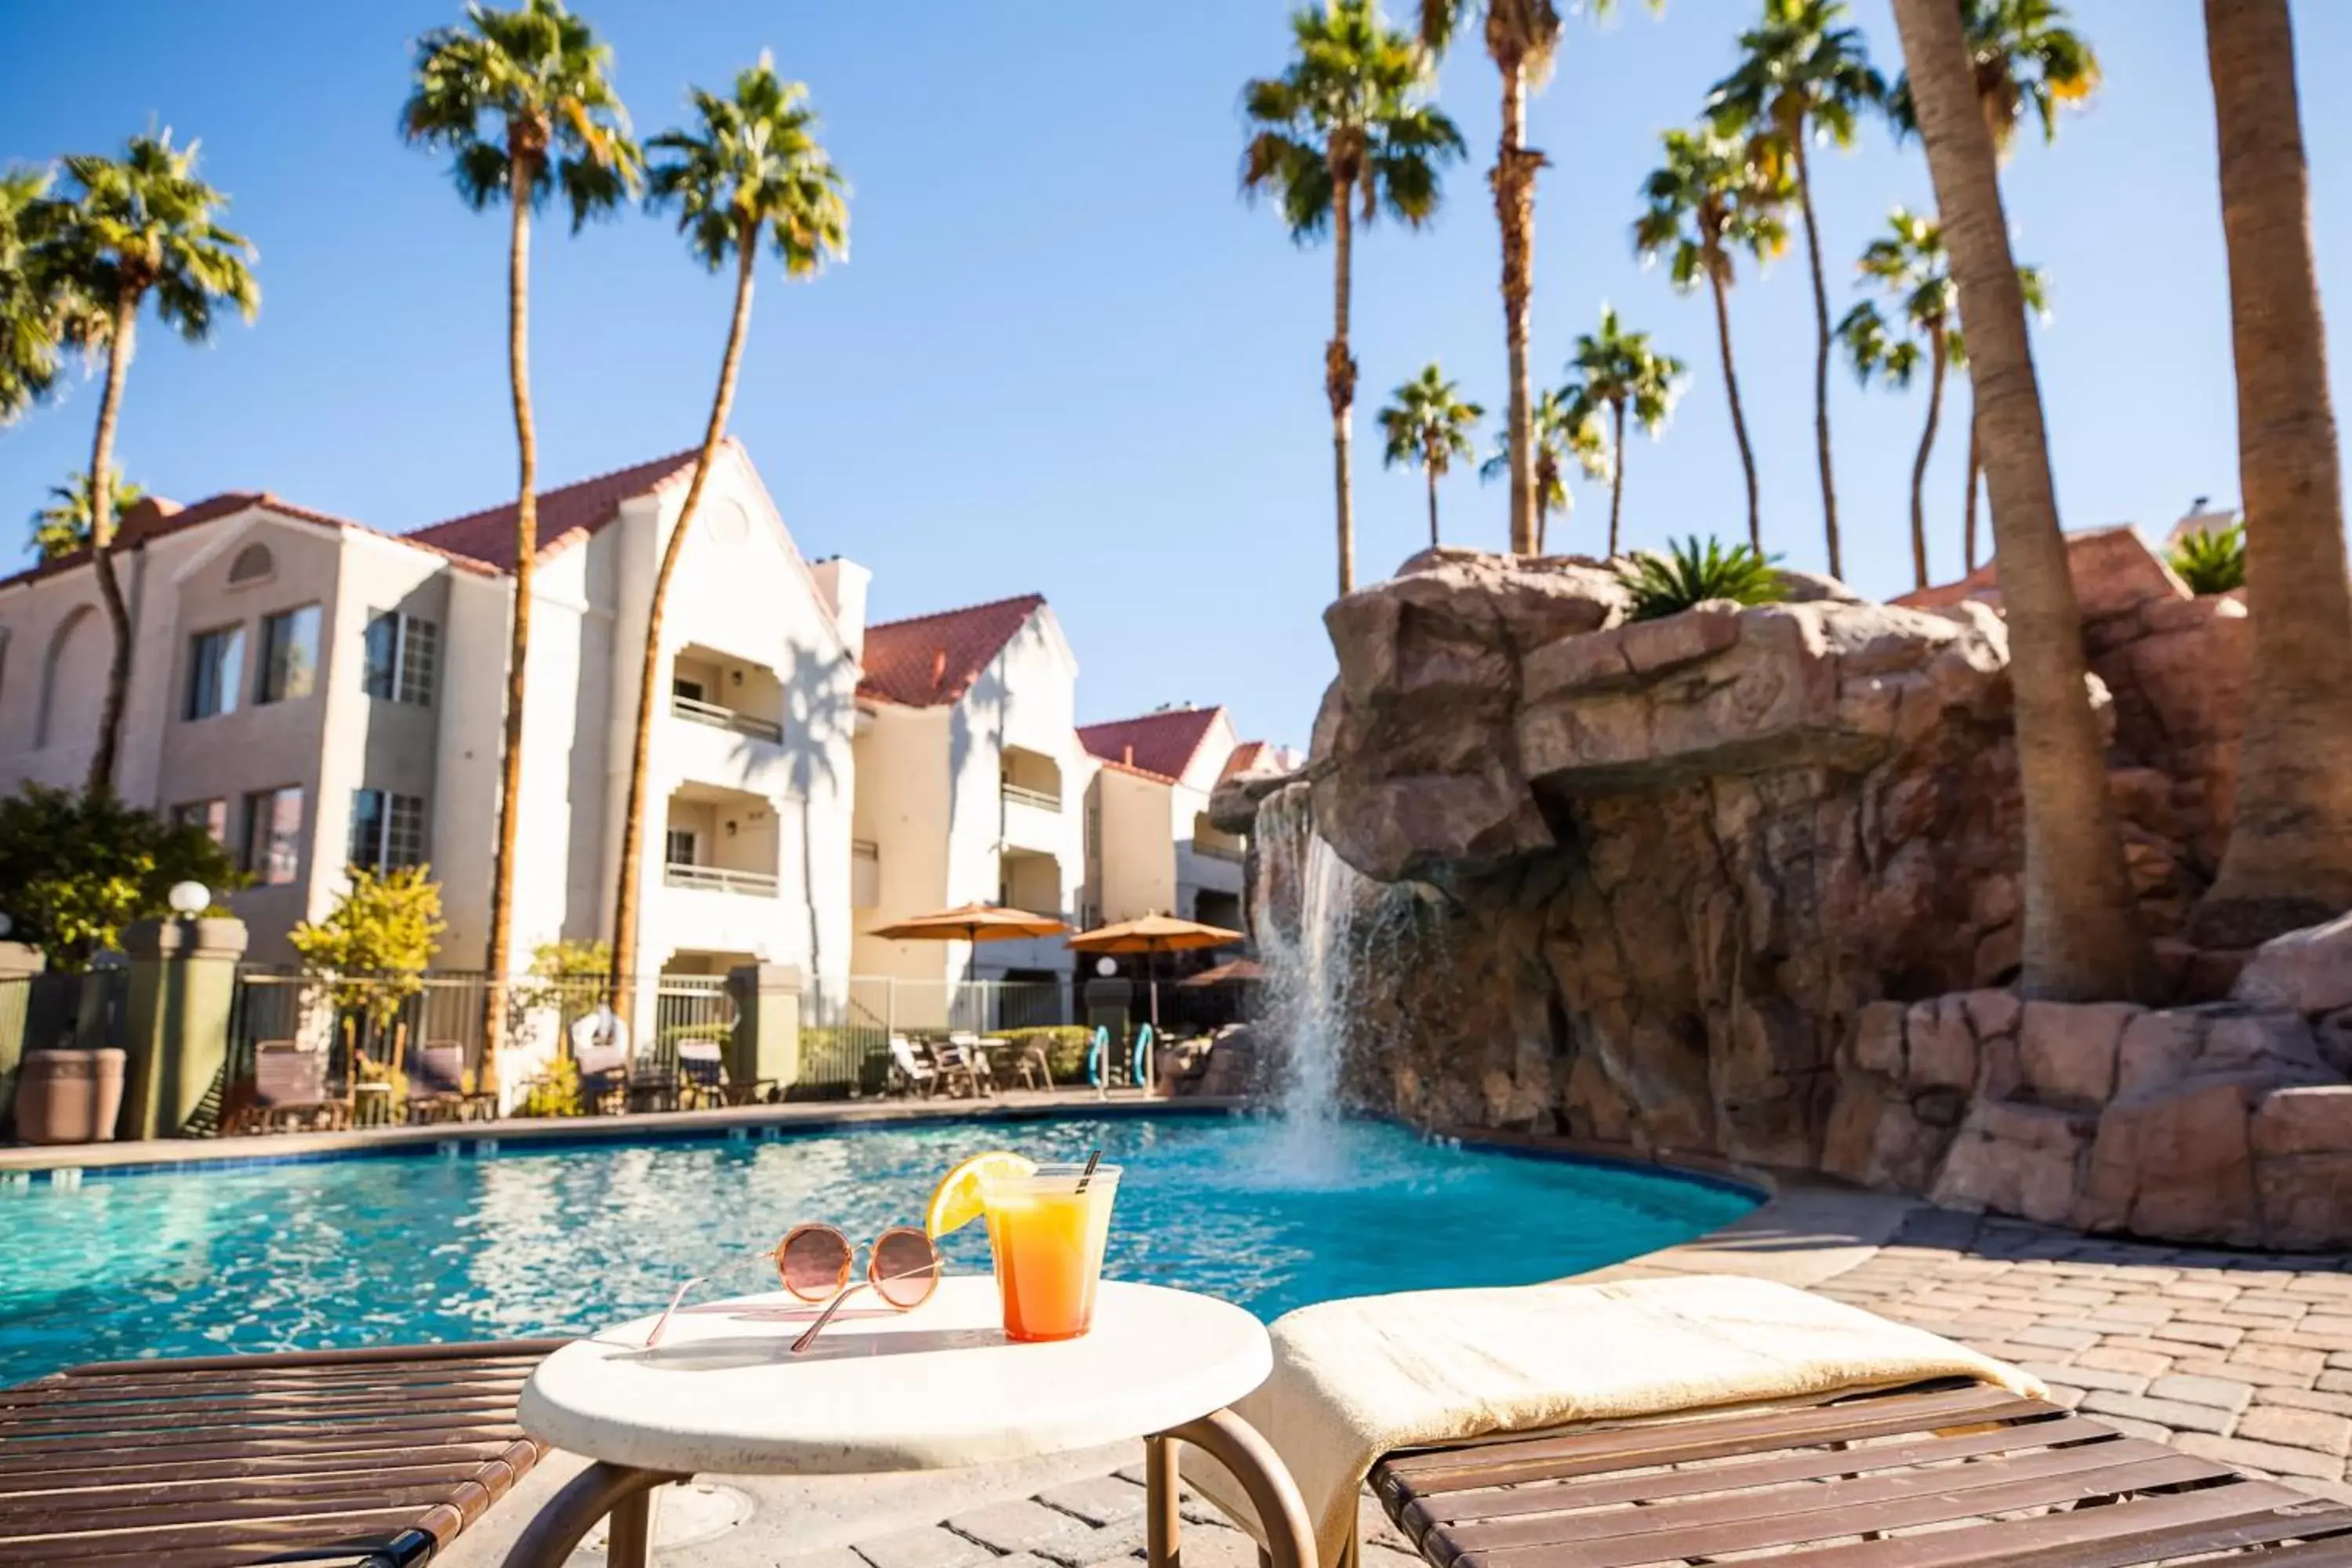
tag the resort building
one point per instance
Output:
(1150, 847)
(317, 693)
(970, 781)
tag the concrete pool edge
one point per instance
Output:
(171, 1155)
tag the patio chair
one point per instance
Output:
(604, 1076)
(290, 1092)
(436, 1086)
(910, 1073)
(953, 1066)
(972, 1052)
(368, 1458)
(1700, 1418)
(701, 1074)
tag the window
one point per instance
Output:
(679, 846)
(215, 671)
(212, 816)
(387, 829)
(273, 834)
(404, 656)
(290, 655)
(253, 565)
(689, 690)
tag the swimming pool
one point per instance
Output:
(377, 1251)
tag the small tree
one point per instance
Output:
(372, 949)
(76, 869)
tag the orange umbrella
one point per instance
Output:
(1239, 969)
(974, 923)
(1154, 934)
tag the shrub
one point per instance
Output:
(1685, 573)
(2212, 561)
(377, 941)
(1066, 1047)
(76, 869)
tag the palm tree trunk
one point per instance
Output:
(633, 816)
(2289, 859)
(1969, 512)
(1616, 481)
(1515, 209)
(1937, 350)
(101, 543)
(1340, 375)
(1821, 354)
(1731, 389)
(498, 960)
(2083, 939)
(1432, 473)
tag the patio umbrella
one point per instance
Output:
(974, 923)
(1153, 935)
(1238, 968)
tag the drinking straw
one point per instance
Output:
(1093, 1159)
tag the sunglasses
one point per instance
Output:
(814, 1262)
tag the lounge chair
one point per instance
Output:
(1695, 1419)
(964, 1050)
(604, 1076)
(290, 1092)
(910, 1073)
(360, 1457)
(436, 1086)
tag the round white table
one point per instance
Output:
(936, 1388)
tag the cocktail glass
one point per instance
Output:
(1047, 1230)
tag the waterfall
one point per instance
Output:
(1314, 919)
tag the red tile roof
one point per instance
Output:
(1161, 743)
(930, 661)
(565, 516)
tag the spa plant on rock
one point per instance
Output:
(2211, 561)
(1666, 582)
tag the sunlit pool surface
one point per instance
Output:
(352, 1252)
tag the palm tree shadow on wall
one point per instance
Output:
(820, 702)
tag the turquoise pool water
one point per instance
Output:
(354, 1252)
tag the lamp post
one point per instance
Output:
(189, 900)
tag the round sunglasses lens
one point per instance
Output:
(813, 1263)
(905, 1267)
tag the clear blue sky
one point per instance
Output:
(1063, 356)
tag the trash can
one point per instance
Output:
(69, 1097)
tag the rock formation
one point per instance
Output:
(1744, 882)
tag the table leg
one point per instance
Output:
(1237, 1445)
(1161, 1525)
(598, 1491)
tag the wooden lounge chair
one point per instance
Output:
(911, 1072)
(1969, 1473)
(364, 1458)
(604, 1077)
(964, 1054)
(290, 1092)
(436, 1086)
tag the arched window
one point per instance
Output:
(253, 565)
(73, 675)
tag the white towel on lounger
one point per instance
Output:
(1356, 1379)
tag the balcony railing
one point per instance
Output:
(1218, 851)
(696, 711)
(1022, 795)
(718, 879)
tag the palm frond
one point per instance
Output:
(1688, 573)
(752, 166)
(2212, 561)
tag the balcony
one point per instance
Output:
(1022, 795)
(695, 710)
(719, 879)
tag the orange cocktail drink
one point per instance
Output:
(1048, 1232)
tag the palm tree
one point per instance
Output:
(1804, 75)
(2083, 939)
(1708, 198)
(523, 103)
(127, 229)
(1619, 371)
(36, 306)
(1344, 132)
(752, 171)
(1562, 433)
(1521, 36)
(63, 526)
(2289, 859)
(2024, 55)
(1428, 425)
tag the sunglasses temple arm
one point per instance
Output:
(663, 1322)
(825, 1317)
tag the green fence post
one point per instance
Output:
(767, 1043)
(183, 985)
